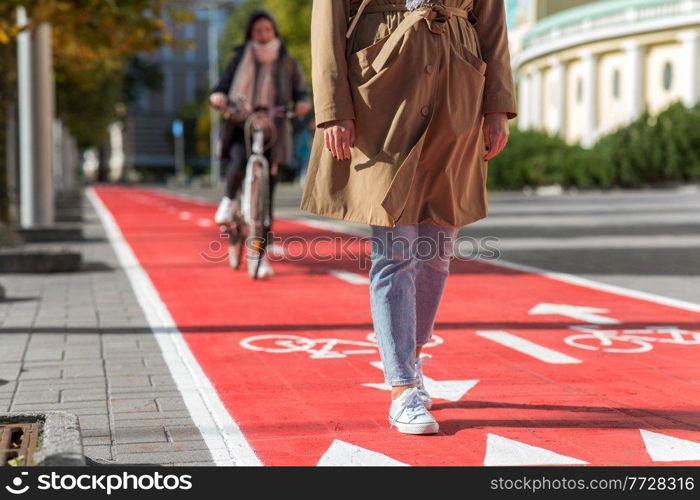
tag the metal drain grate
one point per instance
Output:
(17, 443)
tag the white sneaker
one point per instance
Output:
(265, 269)
(420, 384)
(224, 214)
(409, 415)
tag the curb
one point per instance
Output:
(60, 442)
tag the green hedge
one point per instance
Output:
(650, 151)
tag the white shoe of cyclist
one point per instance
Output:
(420, 383)
(409, 415)
(265, 269)
(224, 214)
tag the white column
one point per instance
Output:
(26, 118)
(42, 135)
(559, 77)
(690, 39)
(524, 101)
(634, 79)
(590, 97)
(537, 112)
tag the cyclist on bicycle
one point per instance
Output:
(261, 74)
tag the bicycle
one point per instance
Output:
(252, 218)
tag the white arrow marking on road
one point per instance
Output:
(583, 313)
(526, 347)
(664, 448)
(504, 451)
(341, 453)
(450, 390)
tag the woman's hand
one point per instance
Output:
(218, 100)
(340, 137)
(496, 134)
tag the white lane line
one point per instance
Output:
(597, 285)
(558, 276)
(205, 223)
(220, 432)
(527, 347)
(352, 278)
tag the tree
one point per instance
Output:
(94, 41)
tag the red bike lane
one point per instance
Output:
(521, 369)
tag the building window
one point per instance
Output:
(616, 84)
(579, 90)
(668, 75)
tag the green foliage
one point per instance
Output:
(649, 151)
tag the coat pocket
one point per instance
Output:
(465, 56)
(466, 83)
(360, 62)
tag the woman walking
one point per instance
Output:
(260, 74)
(412, 100)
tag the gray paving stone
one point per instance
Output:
(160, 447)
(98, 452)
(130, 434)
(94, 421)
(81, 338)
(134, 405)
(183, 433)
(160, 457)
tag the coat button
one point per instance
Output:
(425, 111)
(429, 68)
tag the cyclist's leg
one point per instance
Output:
(236, 168)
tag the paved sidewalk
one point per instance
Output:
(79, 342)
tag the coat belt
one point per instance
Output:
(432, 11)
(365, 7)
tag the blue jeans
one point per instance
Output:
(410, 264)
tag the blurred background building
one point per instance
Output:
(585, 68)
(185, 81)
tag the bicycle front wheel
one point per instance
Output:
(258, 212)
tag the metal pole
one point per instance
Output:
(213, 50)
(24, 100)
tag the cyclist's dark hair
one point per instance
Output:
(254, 17)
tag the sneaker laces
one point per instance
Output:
(411, 406)
(420, 383)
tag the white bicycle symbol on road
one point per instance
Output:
(317, 348)
(630, 340)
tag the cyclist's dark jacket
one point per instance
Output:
(290, 88)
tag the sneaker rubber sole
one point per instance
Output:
(417, 429)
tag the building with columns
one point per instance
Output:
(584, 70)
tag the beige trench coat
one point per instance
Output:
(417, 85)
